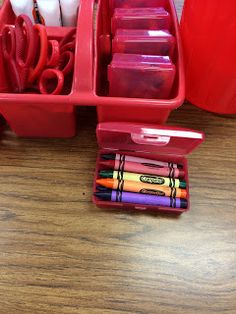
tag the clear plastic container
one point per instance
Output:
(126, 4)
(147, 42)
(140, 76)
(141, 18)
(161, 143)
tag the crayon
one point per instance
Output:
(144, 178)
(143, 168)
(123, 158)
(144, 199)
(143, 188)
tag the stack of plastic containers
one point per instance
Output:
(146, 69)
(139, 66)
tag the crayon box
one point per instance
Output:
(161, 143)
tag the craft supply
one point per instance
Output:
(143, 199)
(43, 53)
(19, 51)
(53, 53)
(28, 52)
(50, 12)
(146, 42)
(140, 18)
(137, 3)
(23, 7)
(69, 10)
(143, 188)
(122, 158)
(51, 82)
(143, 168)
(141, 76)
(145, 178)
(3, 78)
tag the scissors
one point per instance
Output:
(28, 52)
(52, 81)
(19, 50)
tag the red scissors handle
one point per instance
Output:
(25, 41)
(69, 46)
(66, 62)
(36, 71)
(9, 52)
(53, 53)
(68, 38)
(51, 82)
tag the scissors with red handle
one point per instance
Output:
(52, 81)
(19, 51)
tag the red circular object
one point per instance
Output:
(43, 54)
(68, 47)
(68, 38)
(53, 53)
(66, 62)
(51, 82)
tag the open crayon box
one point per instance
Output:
(161, 143)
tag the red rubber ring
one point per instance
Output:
(47, 76)
(43, 55)
(66, 62)
(53, 53)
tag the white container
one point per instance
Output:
(69, 10)
(50, 12)
(23, 7)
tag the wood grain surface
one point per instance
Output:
(59, 254)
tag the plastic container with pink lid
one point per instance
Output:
(140, 76)
(147, 42)
(161, 143)
(141, 18)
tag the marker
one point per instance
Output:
(147, 168)
(143, 188)
(123, 158)
(144, 178)
(136, 198)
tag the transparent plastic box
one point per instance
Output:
(141, 76)
(141, 18)
(147, 42)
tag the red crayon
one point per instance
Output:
(147, 168)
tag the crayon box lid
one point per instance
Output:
(159, 139)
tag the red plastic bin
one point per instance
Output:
(133, 109)
(35, 115)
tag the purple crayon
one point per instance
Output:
(136, 198)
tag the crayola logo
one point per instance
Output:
(151, 165)
(152, 180)
(153, 192)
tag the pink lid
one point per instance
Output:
(147, 138)
(143, 12)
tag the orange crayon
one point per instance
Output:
(143, 188)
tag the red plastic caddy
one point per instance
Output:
(35, 115)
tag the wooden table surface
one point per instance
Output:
(60, 254)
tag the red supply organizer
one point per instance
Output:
(133, 109)
(208, 32)
(35, 115)
(173, 144)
